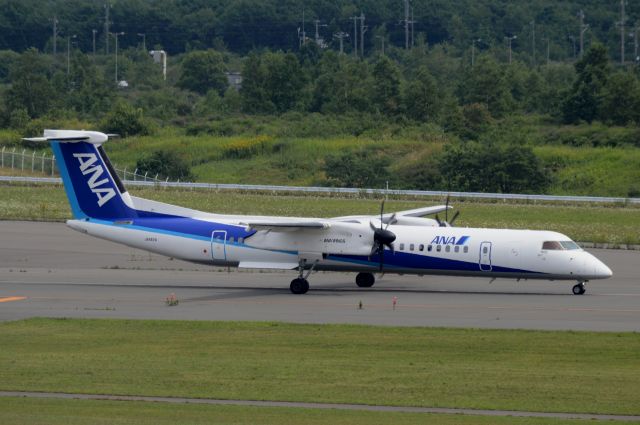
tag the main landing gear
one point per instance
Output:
(365, 280)
(300, 285)
(579, 289)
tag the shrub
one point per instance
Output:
(165, 164)
(126, 120)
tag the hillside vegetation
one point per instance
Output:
(450, 111)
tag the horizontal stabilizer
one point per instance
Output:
(72, 136)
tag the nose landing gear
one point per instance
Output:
(579, 289)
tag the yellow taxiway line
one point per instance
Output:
(8, 299)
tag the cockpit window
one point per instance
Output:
(552, 245)
(569, 245)
(559, 245)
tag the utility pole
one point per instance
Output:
(341, 36)
(635, 42)
(509, 40)
(93, 32)
(355, 35)
(116, 34)
(55, 35)
(533, 42)
(406, 24)
(304, 33)
(573, 39)
(381, 37)
(317, 22)
(69, 37)
(547, 40)
(144, 41)
(363, 29)
(583, 29)
(107, 6)
(473, 50)
(412, 22)
(622, 24)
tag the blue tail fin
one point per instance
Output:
(92, 186)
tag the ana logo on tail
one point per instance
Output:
(87, 161)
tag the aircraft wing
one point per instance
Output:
(416, 212)
(286, 226)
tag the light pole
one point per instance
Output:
(509, 40)
(94, 41)
(547, 40)
(116, 34)
(144, 41)
(69, 37)
(573, 39)
(473, 50)
(381, 37)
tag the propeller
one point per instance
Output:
(382, 237)
(446, 222)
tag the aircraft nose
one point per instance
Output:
(602, 271)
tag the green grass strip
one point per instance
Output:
(613, 224)
(482, 369)
(25, 411)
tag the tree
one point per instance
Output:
(621, 99)
(30, 88)
(126, 120)
(360, 169)
(585, 98)
(486, 83)
(386, 86)
(422, 99)
(492, 168)
(343, 85)
(285, 80)
(202, 71)
(164, 164)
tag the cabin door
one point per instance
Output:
(219, 245)
(485, 256)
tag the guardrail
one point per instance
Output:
(343, 190)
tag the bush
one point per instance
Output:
(360, 169)
(165, 164)
(126, 120)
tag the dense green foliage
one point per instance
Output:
(431, 96)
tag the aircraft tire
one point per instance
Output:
(299, 286)
(579, 289)
(365, 280)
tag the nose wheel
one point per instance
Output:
(579, 289)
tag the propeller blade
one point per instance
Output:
(391, 220)
(373, 227)
(455, 216)
(381, 212)
(446, 211)
(440, 223)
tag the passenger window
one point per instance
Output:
(232, 239)
(456, 248)
(447, 248)
(411, 247)
(401, 247)
(430, 248)
(421, 247)
(485, 250)
(240, 240)
(438, 248)
(466, 249)
(552, 246)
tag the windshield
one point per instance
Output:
(560, 245)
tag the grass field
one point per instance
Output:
(614, 224)
(21, 411)
(486, 369)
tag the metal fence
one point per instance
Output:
(26, 161)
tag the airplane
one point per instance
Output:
(403, 242)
